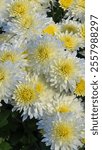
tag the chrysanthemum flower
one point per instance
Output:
(28, 25)
(65, 104)
(71, 41)
(64, 73)
(78, 9)
(69, 26)
(19, 8)
(13, 54)
(9, 76)
(31, 97)
(43, 51)
(80, 88)
(62, 132)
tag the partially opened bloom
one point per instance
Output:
(62, 132)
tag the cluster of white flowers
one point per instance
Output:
(41, 74)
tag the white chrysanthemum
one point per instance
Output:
(43, 51)
(14, 54)
(28, 25)
(64, 73)
(9, 77)
(78, 10)
(69, 26)
(71, 41)
(65, 104)
(31, 97)
(19, 8)
(62, 132)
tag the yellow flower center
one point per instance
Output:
(9, 56)
(63, 131)
(70, 42)
(70, 28)
(19, 8)
(63, 109)
(80, 88)
(25, 94)
(44, 53)
(26, 21)
(65, 4)
(66, 68)
(50, 29)
(39, 87)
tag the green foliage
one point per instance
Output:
(56, 12)
(5, 146)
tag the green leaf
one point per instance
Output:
(3, 118)
(3, 123)
(1, 140)
(5, 146)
